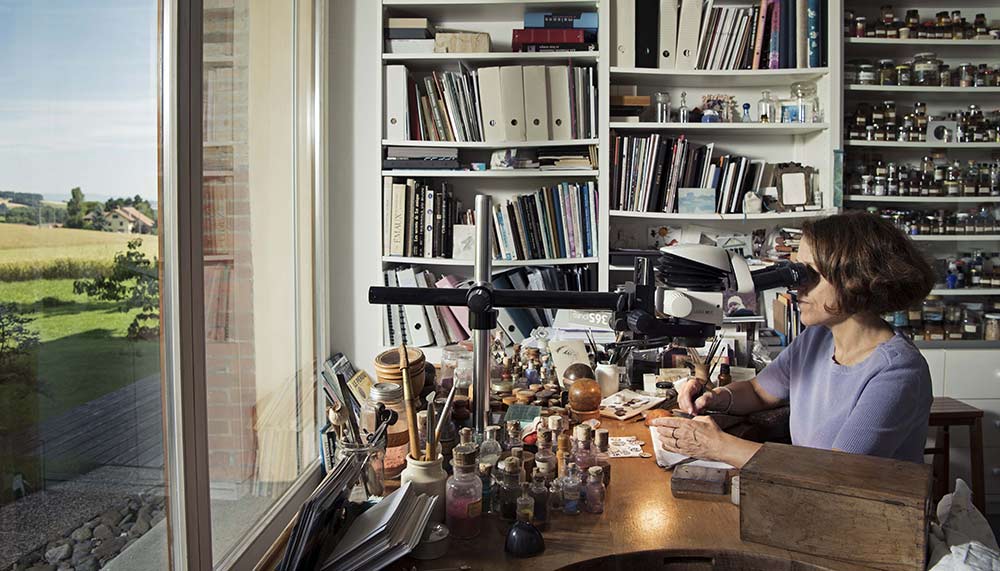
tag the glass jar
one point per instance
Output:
(464, 495)
(450, 356)
(934, 331)
(991, 327)
(904, 74)
(945, 75)
(860, 27)
(972, 315)
(886, 72)
(397, 444)
(866, 74)
(850, 73)
(372, 480)
(662, 102)
(926, 69)
(933, 309)
(966, 75)
(806, 102)
(889, 111)
(767, 108)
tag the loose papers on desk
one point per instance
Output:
(384, 533)
(624, 447)
(668, 459)
(627, 404)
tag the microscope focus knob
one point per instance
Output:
(675, 303)
(479, 300)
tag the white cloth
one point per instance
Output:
(962, 539)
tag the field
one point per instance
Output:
(21, 244)
(11, 204)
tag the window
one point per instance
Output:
(81, 438)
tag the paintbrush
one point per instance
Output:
(445, 412)
(411, 411)
(431, 437)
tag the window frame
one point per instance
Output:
(182, 301)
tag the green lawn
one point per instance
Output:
(83, 352)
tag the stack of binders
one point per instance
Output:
(692, 34)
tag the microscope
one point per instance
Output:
(677, 300)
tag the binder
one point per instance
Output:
(688, 26)
(668, 34)
(646, 36)
(801, 34)
(489, 104)
(560, 126)
(428, 220)
(437, 327)
(512, 102)
(417, 328)
(536, 104)
(396, 103)
(624, 40)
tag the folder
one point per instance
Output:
(668, 34)
(536, 104)
(437, 326)
(688, 26)
(560, 126)
(395, 103)
(512, 102)
(646, 36)
(489, 104)
(624, 40)
(417, 328)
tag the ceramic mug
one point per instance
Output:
(609, 379)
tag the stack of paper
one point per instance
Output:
(384, 533)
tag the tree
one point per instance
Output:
(74, 209)
(15, 337)
(134, 283)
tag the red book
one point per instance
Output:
(546, 36)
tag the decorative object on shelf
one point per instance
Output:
(766, 108)
(944, 26)
(663, 110)
(461, 42)
(683, 113)
(746, 114)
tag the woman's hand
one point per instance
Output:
(699, 437)
(688, 392)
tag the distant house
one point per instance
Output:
(128, 220)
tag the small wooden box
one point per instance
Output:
(461, 42)
(858, 509)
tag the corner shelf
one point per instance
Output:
(919, 145)
(727, 128)
(956, 238)
(758, 217)
(968, 291)
(496, 263)
(513, 173)
(923, 199)
(714, 78)
(501, 145)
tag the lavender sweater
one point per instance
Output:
(877, 407)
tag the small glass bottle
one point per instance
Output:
(525, 504)
(746, 114)
(464, 495)
(540, 493)
(766, 107)
(489, 487)
(583, 456)
(595, 490)
(545, 458)
(398, 444)
(571, 490)
(490, 450)
(513, 428)
(683, 113)
(555, 496)
(662, 101)
(601, 458)
(509, 490)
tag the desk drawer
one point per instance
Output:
(972, 374)
(991, 425)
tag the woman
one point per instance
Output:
(852, 382)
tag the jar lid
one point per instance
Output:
(992, 316)
(601, 437)
(886, 61)
(385, 392)
(596, 471)
(492, 431)
(582, 432)
(464, 455)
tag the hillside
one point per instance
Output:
(11, 204)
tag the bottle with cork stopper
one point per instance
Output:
(594, 490)
(545, 458)
(601, 458)
(509, 487)
(582, 454)
(464, 495)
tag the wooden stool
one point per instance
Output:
(945, 413)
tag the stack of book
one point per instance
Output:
(774, 34)
(419, 219)
(492, 104)
(420, 158)
(555, 222)
(425, 326)
(553, 32)
(409, 35)
(787, 320)
(694, 34)
(655, 173)
(567, 158)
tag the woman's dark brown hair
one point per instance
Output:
(872, 264)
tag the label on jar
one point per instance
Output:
(475, 509)
(866, 77)
(971, 329)
(925, 67)
(936, 336)
(955, 335)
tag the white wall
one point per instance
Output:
(355, 221)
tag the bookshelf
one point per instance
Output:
(745, 129)
(496, 18)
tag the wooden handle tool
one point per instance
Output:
(411, 410)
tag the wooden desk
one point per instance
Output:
(640, 514)
(945, 413)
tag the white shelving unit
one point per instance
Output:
(922, 145)
(513, 173)
(481, 145)
(715, 78)
(923, 199)
(745, 129)
(448, 262)
(782, 217)
(957, 238)
(966, 292)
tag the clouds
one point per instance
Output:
(64, 125)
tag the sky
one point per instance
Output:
(78, 83)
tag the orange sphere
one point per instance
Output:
(585, 395)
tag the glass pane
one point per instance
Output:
(81, 423)
(258, 262)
